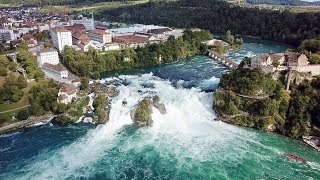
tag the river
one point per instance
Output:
(184, 143)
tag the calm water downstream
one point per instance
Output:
(185, 143)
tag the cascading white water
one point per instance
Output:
(187, 125)
(184, 143)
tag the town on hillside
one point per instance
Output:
(46, 35)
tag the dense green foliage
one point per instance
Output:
(235, 43)
(248, 82)
(84, 83)
(143, 112)
(290, 114)
(23, 114)
(6, 65)
(41, 36)
(55, 2)
(304, 109)
(43, 98)
(91, 64)
(77, 111)
(219, 16)
(311, 47)
(99, 104)
(29, 62)
(283, 2)
(63, 119)
(11, 90)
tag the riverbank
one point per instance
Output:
(250, 98)
(185, 135)
(23, 124)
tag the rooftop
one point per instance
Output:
(45, 50)
(76, 27)
(62, 97)
(130, 39)
(68, 88)
(99, 31)
(58, 67)
(60, 29)
(159, 31)
(292, 56)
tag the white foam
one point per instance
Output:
(187, 130)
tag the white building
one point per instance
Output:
(47, 55)
(61, 38)
(88, 23)
(112, 46)
(67, 93)
(86, 46)
(43, 27)
(100, 36)
(55, 72)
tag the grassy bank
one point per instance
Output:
(98, 6)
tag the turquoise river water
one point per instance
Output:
(184, 143)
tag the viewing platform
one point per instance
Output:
(226, 61)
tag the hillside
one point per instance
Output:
(284, 2)
(292, 114)
(55, 2)
(219, 16)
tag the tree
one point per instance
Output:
(12, 66)
(219, 47)
(47, 45)
(4, 61)
(246, 61)
(101, 114)
(100, 101)
(315, 59)
(3, 71)
(23, 46)
(63, 119)
(42, 97)
(21, 82)
(15, 93)
(299, 118)
(84, 83)
(23, 115)
(59, 108)
(229, 37)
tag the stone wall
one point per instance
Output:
(313, 69)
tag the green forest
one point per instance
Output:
(220, 16)
(291, 114)
(91, 64)
(311, 47)
(55, 2)
(284, 2)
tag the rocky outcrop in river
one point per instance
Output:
(142, 114)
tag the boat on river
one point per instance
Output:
(296, 158)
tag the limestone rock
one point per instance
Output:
(111, 92)
(161, 107)
(142, 114)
